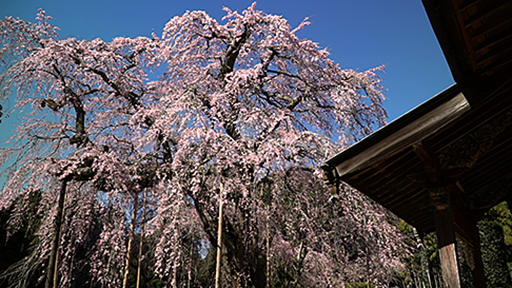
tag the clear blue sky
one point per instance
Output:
(359, 34)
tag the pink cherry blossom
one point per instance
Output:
(242, 103)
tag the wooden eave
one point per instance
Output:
(467, 128)
(385, 167)
(475, 36)
(408, 129)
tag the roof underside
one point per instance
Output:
(468, 127)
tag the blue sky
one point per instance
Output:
(359, 34)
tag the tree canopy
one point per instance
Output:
(139, 140)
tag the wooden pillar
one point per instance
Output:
(478, 269)
(509, 202)
(453, 219)
(446, 240)
(467, 230)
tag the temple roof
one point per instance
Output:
(462, 136)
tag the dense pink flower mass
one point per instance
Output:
(152, 133)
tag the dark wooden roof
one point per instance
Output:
(475, 35)
(467, 128)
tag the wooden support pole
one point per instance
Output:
(141, 243)
(128, 259)
(52, 278)
(219, 240)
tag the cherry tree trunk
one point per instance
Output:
(52, 277)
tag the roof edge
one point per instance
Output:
(420, 121)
